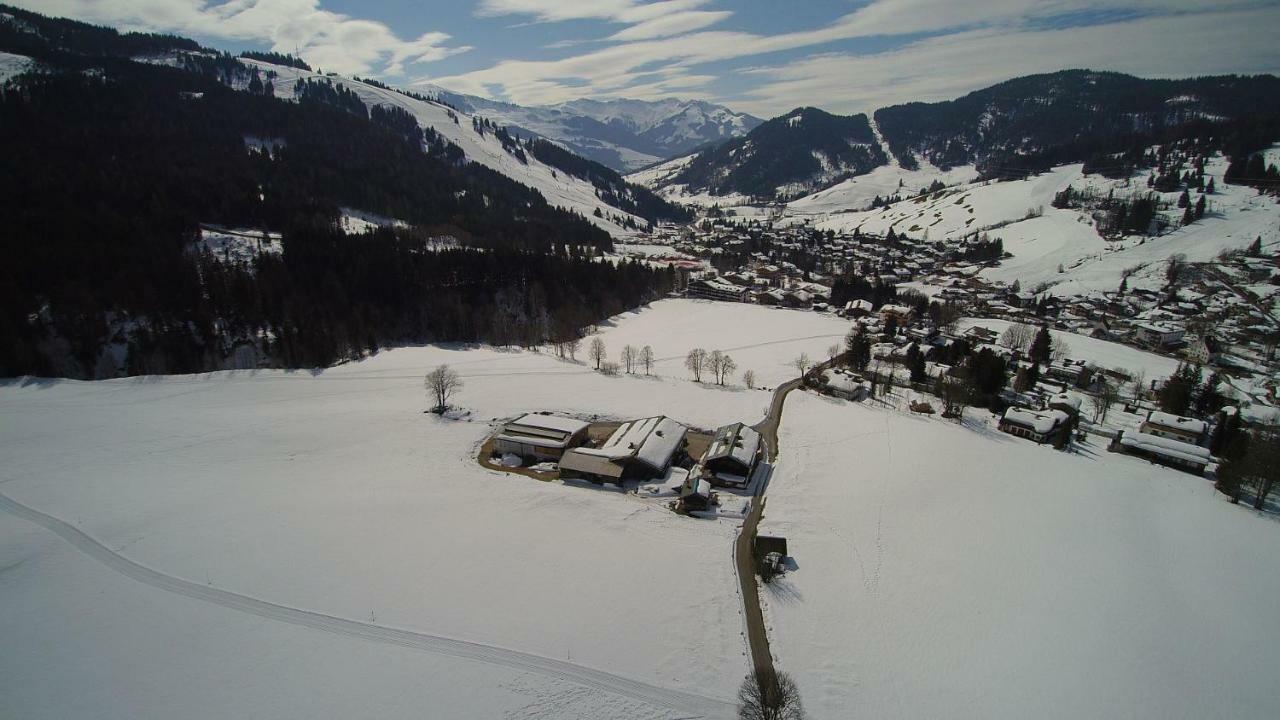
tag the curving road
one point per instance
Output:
(676, 700)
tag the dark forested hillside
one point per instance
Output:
(806, 149)
(111, 166)
(1069, 116)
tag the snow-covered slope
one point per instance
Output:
(11, 65)
(623, 134)
(949, 572)
(1042, 238)
(559, 188)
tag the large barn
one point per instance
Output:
(538, 438)
(637, 449)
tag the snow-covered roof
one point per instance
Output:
(1071, 400)
(651, 441)
(1165, 446)
(737, 441)
(549, 422)
(1041, 421)
(1169, 420)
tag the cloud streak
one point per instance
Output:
(326, 39)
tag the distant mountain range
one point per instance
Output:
(1024, 125)
(623, 134)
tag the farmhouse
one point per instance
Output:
(731, 456)
(1039, 426)
(1162, 450)
(536, 437)
(637, 449)
(1174, 427)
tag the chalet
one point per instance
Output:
(857, 308)
(1162, 450)
(847, 385)
(978, 335)
(1174, 427)
(1157, 334)
(637, 449)
(538, 438)
(1068, 403)
(901, 313)
(717, 289)
(731, 457)
(1071, 372)
(1041, 426)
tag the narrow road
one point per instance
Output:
(743, 552)
(685, 703)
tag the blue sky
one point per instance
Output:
(758, 56)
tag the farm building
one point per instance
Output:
(1174, 427)
(537, 438)
(1162, 450)
(1039, 426)
(637, 449)
(731, 456)
(696, 494)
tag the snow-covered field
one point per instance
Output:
(857, 193)
(757, 337)
(333, 493)
(963, 573)
(11, 65)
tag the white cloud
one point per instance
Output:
(673, 24)
(326, 39)
(951, 65)
(607, 71)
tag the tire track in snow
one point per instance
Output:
(675, 700)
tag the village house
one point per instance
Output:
(1040, 426)
(637, 449)
(1175, 427)
(901, 313)
(539, 438)
(731, 457)
(1158, 334)
(1162, 450)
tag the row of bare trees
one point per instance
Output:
(718, 364)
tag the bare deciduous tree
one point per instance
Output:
(802, 363)
(597, 352)
(723, 366)
(574, 346)
(749, 379)
(441, 384)
(1017, 336)
(833, 351)
(647, 359)
(1102, 402)
(629, 358)
(775, 698)
(696, 362)
(1139, 385)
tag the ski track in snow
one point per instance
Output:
(675, 700)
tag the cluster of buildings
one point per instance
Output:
(640, 449)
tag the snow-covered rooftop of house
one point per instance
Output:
(1165, 446)
(1170, 420)
(1042, 421)
(1071, 400)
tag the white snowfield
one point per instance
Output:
(11, 65)
(559, 188)
(949, 572)
(758, 338)
(233, 520)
